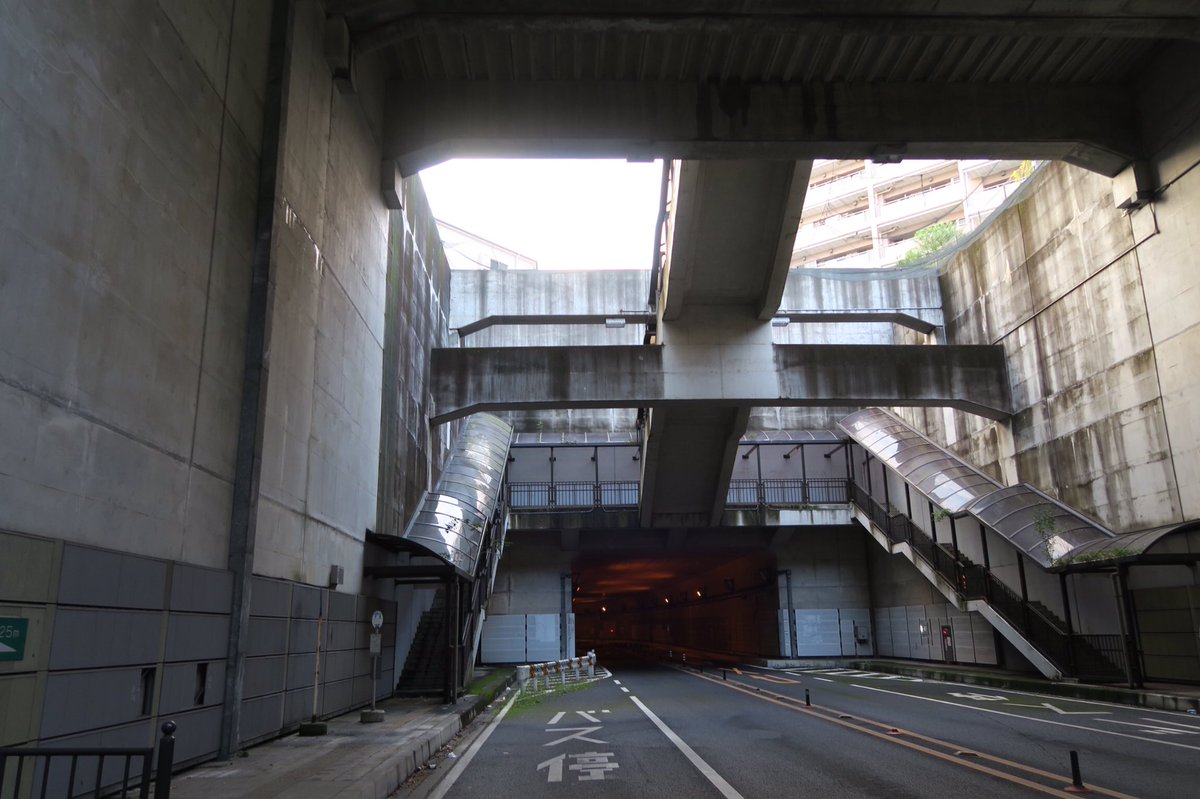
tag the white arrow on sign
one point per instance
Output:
(554, 768)
(5, 649)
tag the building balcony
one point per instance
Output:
(839, 193)
(919, 206)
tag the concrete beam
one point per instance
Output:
(732, 230)
(858, 317)
(638, 318)
(1090, 126)
(1124, 21)
(970, 378)
(687, 464)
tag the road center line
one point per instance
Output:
(448, 783)
(1028, 718)
(727, 790)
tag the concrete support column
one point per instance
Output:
(248, 465)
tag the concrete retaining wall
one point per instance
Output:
(1085, 301)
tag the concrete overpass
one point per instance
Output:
(216, 333)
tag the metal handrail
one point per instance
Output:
(972, 581)
(617, 494)
(37, 782)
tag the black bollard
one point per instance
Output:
(807, 701)
(166, 761)
(1076, 778)
(724, 676)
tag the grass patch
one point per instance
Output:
(491, 684)
(532, 700)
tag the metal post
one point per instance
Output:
(1128, 627)
(166, 761)
(1076, 776)
(566, 591)
(791, 613)
(1062, 584)
(804, 496)
(907, 501)
(953, 536)
(987, 562)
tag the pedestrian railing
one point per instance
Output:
(53, 772)
(626, 494)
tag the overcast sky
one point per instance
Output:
(594, 214)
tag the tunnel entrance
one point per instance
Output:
(720, 602)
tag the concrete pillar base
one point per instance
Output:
(369, 716)
(313, 728)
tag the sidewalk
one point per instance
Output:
(363, 761)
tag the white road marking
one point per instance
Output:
(837, 673)
(554, 768)
(557, 717)
(587, 716)
(1029, 718)
(1152, 728)
(448, 782)
(727, 790)
(822, 679)
(1173, 723)
(623, 688)
(616, 682)
(577, 734)
(606, 711)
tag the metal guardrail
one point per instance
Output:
(625, 494)
(611, 494)
(55, 772)
(787, 492)
(535, 672)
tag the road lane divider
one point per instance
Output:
(710, 774)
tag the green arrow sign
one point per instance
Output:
(13, 633)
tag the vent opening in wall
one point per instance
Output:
(147, 691)
(201, 684)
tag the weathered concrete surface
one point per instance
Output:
(431, 121)
(318, 489)
(1064, 282)
(127, 221)
(730, 233)
(467, 380)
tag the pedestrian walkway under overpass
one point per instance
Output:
(866, 541)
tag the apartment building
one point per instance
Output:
(861, 214)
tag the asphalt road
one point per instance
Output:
(655, 730)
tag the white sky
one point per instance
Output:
(577, 214)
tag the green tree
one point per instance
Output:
(929, 240)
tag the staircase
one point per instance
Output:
(424, 671)
(1031, 627)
